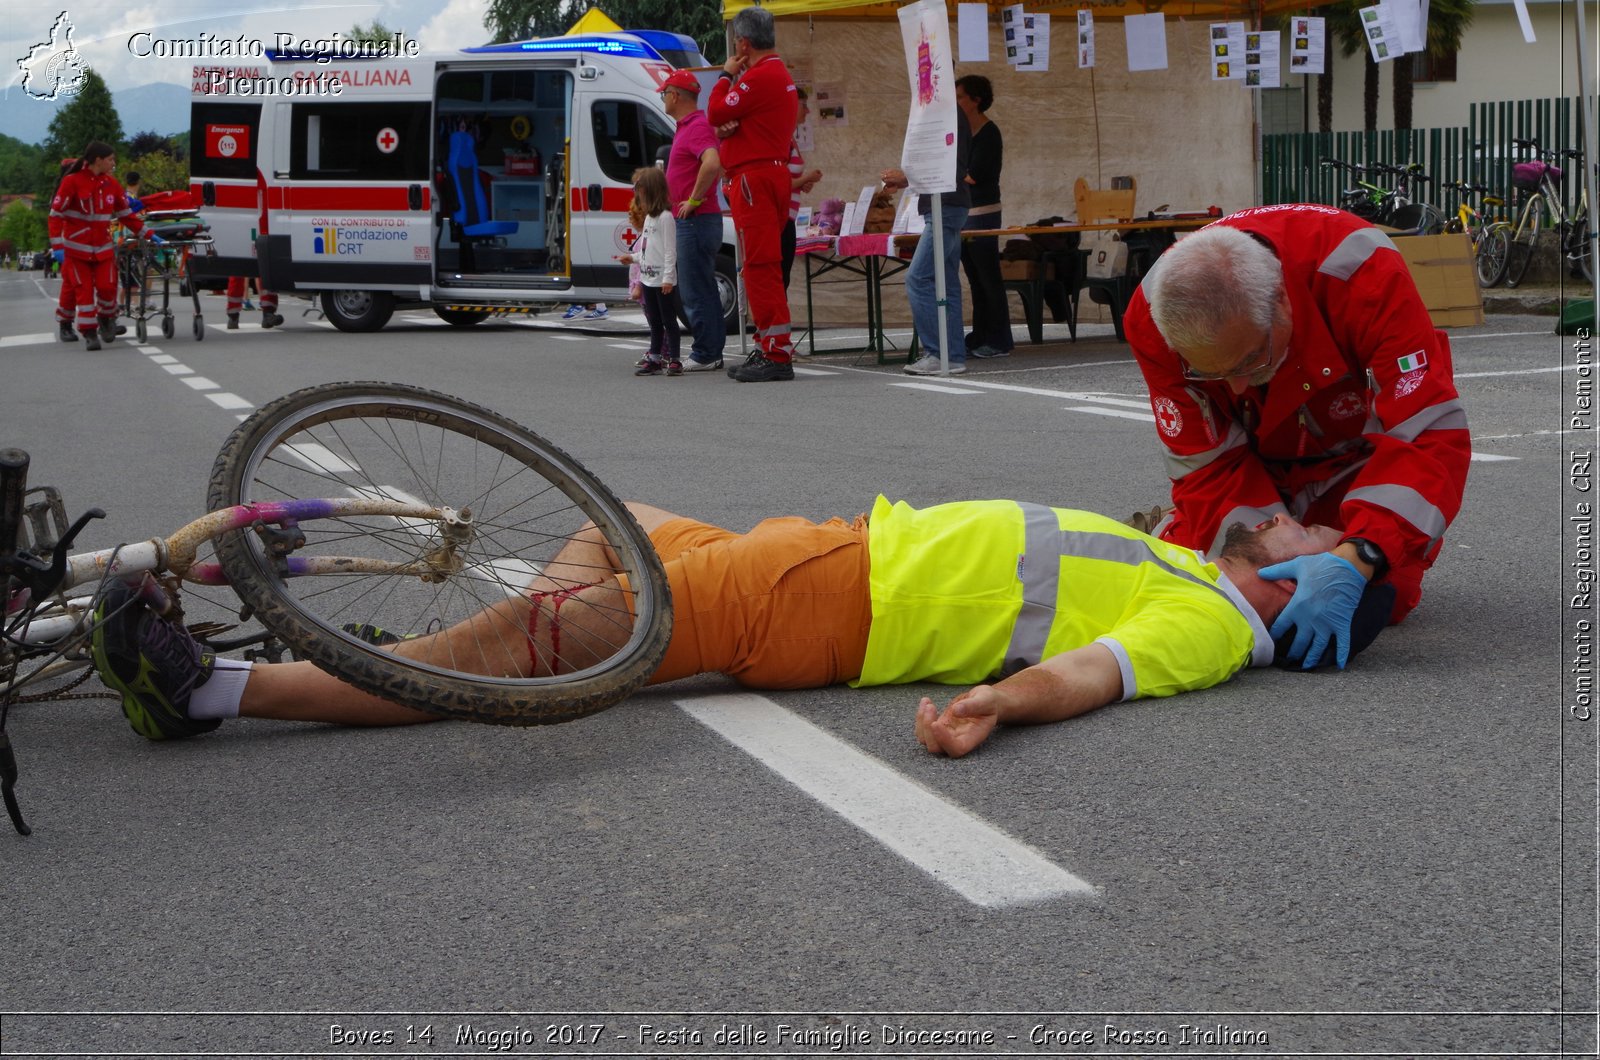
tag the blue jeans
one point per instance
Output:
(922, 293)
(699, 239)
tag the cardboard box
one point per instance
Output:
(1443, 269)
(1021, 270)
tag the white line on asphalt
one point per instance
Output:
(1529, 434)
(230, 401)
(629, 345)
(568, 338)
(1489, 458)
(200, 382)
(975, 859)
(321, 458)
(812, 371)
(147, 349)
(1497, 335)
(1517, 371)
(162, 358)
(179, 369)
(35, 339)
(1142, 417)
(937, 388)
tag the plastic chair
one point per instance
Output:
(471, 216)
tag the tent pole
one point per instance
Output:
(1586, 112)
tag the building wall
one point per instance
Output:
(1494, 63)
(1189, 142)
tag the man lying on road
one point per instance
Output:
(1069, 610)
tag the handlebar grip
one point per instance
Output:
(13, 484)
(1525, 143)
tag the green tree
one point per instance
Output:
(23, 226)
(1447, 24)
(159, 171)
(509, 20)
(377, 31)
(147, 143)
(1343, 27)
(90, 116)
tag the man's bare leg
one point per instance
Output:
(494, 641)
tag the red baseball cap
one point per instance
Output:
(683, 79)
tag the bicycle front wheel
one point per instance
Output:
(1519, 255)
(1491, 254)
(455, 639)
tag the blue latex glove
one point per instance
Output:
(59, 255)
(157, 240)
(1327, 590)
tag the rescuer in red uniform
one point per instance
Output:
(756, 96)
(1293, 367)
(86, 202)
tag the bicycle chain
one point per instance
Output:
(64, 693)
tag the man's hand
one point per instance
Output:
(727, 129)
(1327, 590)
(965, 723)
(894, 178)
(684, 209)
(734, 66)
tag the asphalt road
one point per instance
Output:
(1396, 848)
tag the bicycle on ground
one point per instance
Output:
(1490, 238)
(352, 521)
(1538, 187)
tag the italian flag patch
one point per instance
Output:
(1412, 361)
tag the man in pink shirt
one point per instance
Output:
(692, 171)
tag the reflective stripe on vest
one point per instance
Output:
(1039, 571)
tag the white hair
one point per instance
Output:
(1210, 279)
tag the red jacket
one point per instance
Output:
(1365, 408)
(82, 211)
(765, 106)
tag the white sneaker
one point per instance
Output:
(930, 365)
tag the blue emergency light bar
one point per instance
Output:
(628, 47)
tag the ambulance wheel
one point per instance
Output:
(461, 318)
(728, 291)
(169, 326)
(358, 310)
(141, 330)
(199, 328)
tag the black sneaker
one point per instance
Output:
(761, 370)
(649, 368)
(233, 321)
(110, 329)
(733, 370)
(154, 663)
(66, 332)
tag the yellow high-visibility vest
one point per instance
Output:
(967, 592)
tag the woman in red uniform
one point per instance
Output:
(87, 201)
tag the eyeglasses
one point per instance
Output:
(1256, 365)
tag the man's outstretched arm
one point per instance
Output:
(1061, 687)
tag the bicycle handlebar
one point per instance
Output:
(13, 484)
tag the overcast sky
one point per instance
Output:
(102, 30)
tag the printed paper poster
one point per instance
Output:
(1085, 39)
(928, 156)
(972, 30)
(1147, 41)
(1037, 30)
(827, 105)
(1261, 54)
(1308, 46)
(1227, 51)
(1383, 36)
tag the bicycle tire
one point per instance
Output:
(1490, 254)
(303, 427)
(1519, 255)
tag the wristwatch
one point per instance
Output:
(1369, 554)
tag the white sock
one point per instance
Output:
(219, 697)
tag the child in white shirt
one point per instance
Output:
(657, 258)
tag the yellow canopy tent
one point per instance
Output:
(594, 20)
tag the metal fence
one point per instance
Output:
(1480, 152)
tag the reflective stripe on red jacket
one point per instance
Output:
(82, 211)
(1365, 406)
(763, 102)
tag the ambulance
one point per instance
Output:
(490, 180)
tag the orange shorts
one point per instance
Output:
(786, 605)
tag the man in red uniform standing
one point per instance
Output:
(87, 201)
(756, 95)
(1293, 367)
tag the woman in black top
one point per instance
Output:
(980, 257)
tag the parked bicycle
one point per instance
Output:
(1490, 238)
(353, 521)
(1391, 206)
(1538, 186)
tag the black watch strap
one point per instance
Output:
(1370, 554)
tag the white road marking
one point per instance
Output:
(163, 358)
(200, 382)
(320, 458)
(975, 859)
(179, 369)
(938, 388)
(629, 345)
(1531, 434)
(1489, 458)
(230, 401)
(147, 349)
(812, 371)
(1517, 371)
(1142, 417)
(27, 340)
(567, 338)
